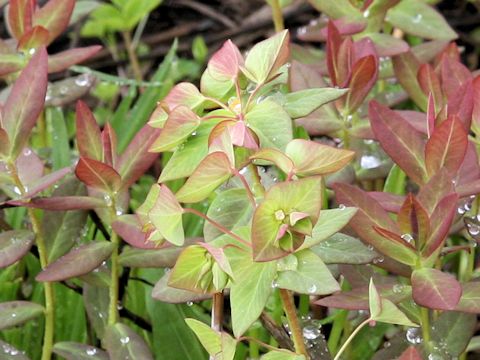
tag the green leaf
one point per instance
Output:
(14, 313)
(383, 310)
(337, 8)
(181, 123)
(276, 157)
(60, 141)
(166, 216)
(454, 329)
(142, 258)
(470, 300)
(213, 171)
(122, 342)
(301, 196)
(329, 222)
(231, 208)
(311, 276)
(282, 355)
(266, 57)
(271, 123)
(418, 18)
(250, 290)
(344, 249)
(311, 158)
(301, 103)
(75, 351)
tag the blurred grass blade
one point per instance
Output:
(59, 141)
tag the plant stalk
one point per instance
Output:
(293, 323)
(114, 281)
(132, 55)
(350, 338)
(425, 322)
(217, 311)
(277, 15)
(47, 286)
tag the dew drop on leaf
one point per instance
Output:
(91, 351)
(311, 332)
(413, 336)
(125, 340)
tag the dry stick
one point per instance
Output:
(132, 55)
(48, 287)
(293, 322)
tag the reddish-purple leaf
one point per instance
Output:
(393, 237)
(446, 147)
(334, 41)
(470, 300)
(441, 221)
(14, 313)
(19, 17)
(413, 220)
(430, 83)
(54, 16)
(136, 159)
(399, 140)
(64, 59)
(435, 289)
(370, 214)
(390, 202)
(435, 190)
(62, 203)
(225, 63)
(89, 140)
(406, 67)
(4, 142)
(163, 292)
(410, 354)
(14, 245)
(364, 76)
(109, 144)
(460, 104)
(79, 261)
(431, 115)
(30, 167)
(45, 182)
(25, 102)
(98, 175)
(454, 75)
(128, 227)
(476, 102)
(33, 39)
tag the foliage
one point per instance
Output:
(244, 205)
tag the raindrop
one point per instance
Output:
(17, 190)
(194, 133)
(397, 288)
(434, 357)
(312, 289)
(370, 162)
(366, 13)
(370, 247)
(413, 336)
(108, 200)
(417, 18)
(311, 332)
(32, 51)
(189, 303)
(378, 260)
(274, 284)
(407, 237)
(387, 344)
(341, 207)
(302, 30)
(83, 80)
(125, 340)
(14, 315)
(288, 65)
(91, 351)
(27, 152)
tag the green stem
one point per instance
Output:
(293, 323)
(114, 281)
(350, 338)
(425, 322)
(48, 287)
(132, 55)
(277, 15)
(336, 332)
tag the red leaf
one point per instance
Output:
(370, 214)
(390, 202)
(393, 237)
(430, 83)
(460, 104)
(136, 159)
(454, 75)
(4, 142)
(225, 63)
(406, 67)
(410, 354)
(441, 220)
(98, 175)
(45, 182)
(109, 144)
(446, 147)
(435, 289)
(25, 102)
(54, 16)
(334, 41)
(64, 59)
(413, 220)
(364, 76)
(33, 39)
(436, 189)
(20, 16)
(399, 140)
(89, 140)
(129, 229)
(62, 203)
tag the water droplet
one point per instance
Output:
(378, 260)
(407, 237)
(387, 344)
(274, 284)
(435, 357)
(27, 152)
(413, 336)
(189, 303)
(91, 351)
(341, 207)
(312, 289)
(366, 13)
(17, 190)
(14, 315)
(288, 65)
(311, 332)
(108, 200)
(32, 51)
(370, 247)
(302, 30)
(397, 288)
(370, 162)
(417, 18)
(194, 133)
(125, 340)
